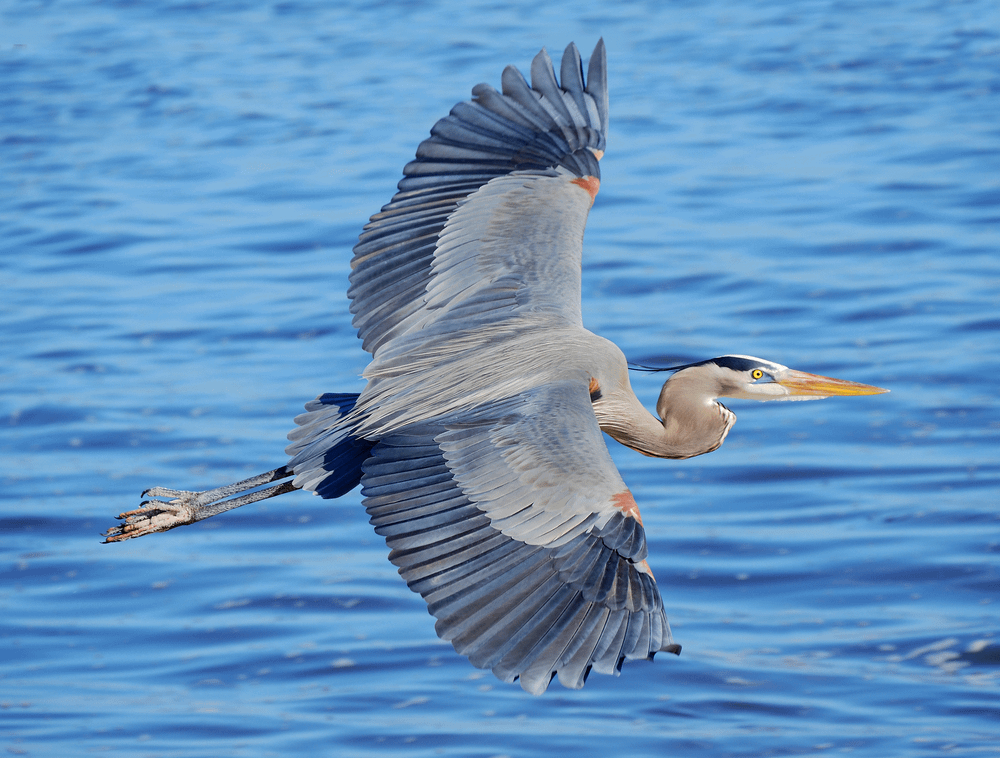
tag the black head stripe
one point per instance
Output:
(733, 362)
(738, 363)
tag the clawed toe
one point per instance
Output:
(146, 507)
(151, 516)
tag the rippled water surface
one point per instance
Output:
(814, 182)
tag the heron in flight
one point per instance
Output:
(477, 437)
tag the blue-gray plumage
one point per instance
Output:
(477, 439)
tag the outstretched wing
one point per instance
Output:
(489, 217)
(514, 525)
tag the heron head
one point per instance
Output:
(696, 422)
(750, 378)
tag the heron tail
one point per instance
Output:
(326, 457)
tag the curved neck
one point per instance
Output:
(686, 427)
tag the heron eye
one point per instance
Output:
(757, 373)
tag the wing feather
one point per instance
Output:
(543, 81)
(571, 76)
(577, 659)
(545, 129)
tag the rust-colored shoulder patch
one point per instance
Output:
(595, 390)
(589, 183)
(624, 502)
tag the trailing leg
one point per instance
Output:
(326, 459)
(183, 507)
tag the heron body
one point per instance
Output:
(477, 438)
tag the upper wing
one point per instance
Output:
(514, 525)
(489, 217)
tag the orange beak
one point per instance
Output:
(799, 383)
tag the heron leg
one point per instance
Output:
(183, 507)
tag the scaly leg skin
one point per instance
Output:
(185, 507)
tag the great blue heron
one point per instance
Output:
(477, 438)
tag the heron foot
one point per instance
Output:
(167, 509)
(154, 515)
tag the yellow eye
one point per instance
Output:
(756, 373)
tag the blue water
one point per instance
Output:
(817, 183)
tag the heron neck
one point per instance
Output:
(684, 431)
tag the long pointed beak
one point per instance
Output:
(799, 383)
